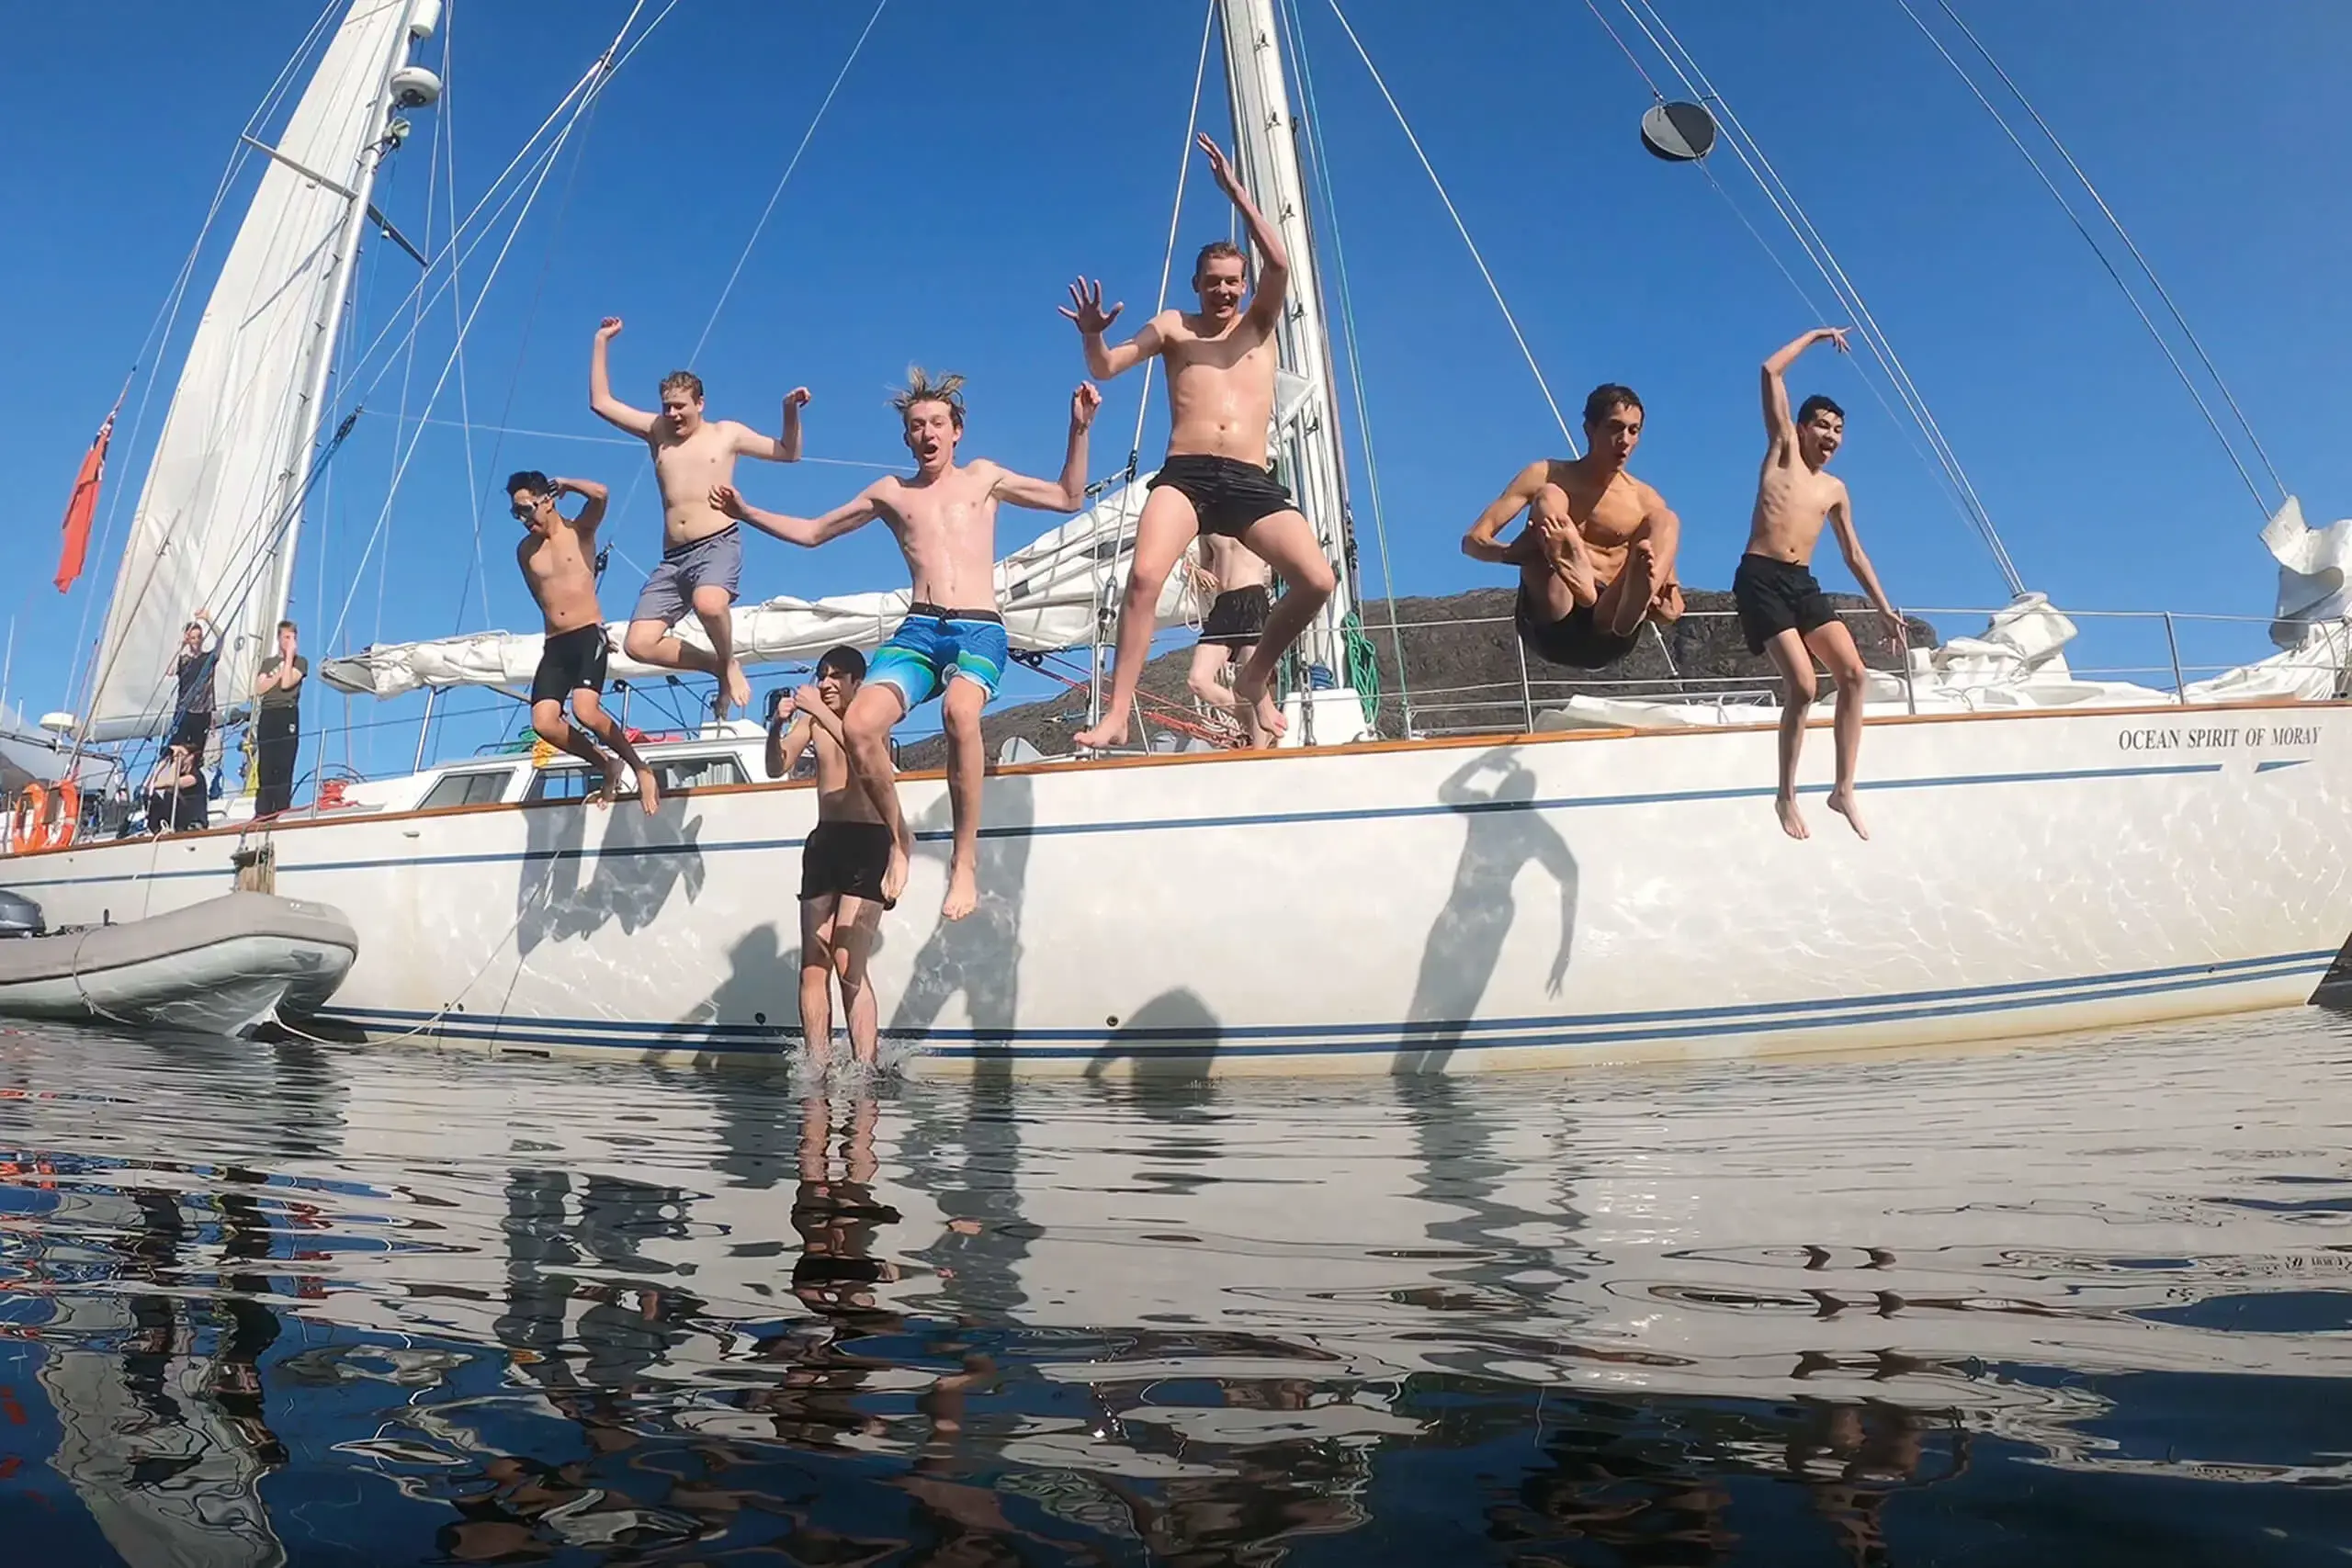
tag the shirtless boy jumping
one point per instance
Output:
(702, 552)
(1781, 608)
(1216, 479)
(842, 864)
(555, 555)
(944, 518)
(1596, 558)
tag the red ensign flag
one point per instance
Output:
(83, 507)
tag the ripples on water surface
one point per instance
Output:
(2078, 1303)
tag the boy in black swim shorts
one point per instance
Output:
(842, 864)
(557, 555)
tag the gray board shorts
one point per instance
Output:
(717, 560)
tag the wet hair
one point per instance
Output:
(1215, 249)
(1818, 404)
(290, 627)
(921, 388)
(530, 480)
(1608, 398)
(844, 661)
(682, 380)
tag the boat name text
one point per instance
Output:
(2216, 739)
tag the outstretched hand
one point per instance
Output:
(609, 328)
(1082, 404)
(1220, 169)
(797, 399)
(1093, 320)
(1837, 336)
(723, 498)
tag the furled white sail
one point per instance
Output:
(1048, 591)
(225, 484)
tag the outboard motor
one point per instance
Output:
(19, 916)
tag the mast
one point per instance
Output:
(1265, 153)
(418, 19)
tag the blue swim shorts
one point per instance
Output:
(932, 646)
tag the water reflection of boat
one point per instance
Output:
(607, 1312)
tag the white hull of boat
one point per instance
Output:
(1428, 906)
(221, 965)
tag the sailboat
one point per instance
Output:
(2050, 853)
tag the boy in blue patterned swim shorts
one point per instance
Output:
(952, 643)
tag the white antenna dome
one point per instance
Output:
(414, 87)
(425, 20)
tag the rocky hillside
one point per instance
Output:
(1461, 667)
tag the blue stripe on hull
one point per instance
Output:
(1079, 830)
(1332, 1040)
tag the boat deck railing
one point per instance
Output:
(2168, 651)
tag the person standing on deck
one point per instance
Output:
(842, 865)
(944, 518)
(1216, 479)
(702, 551)
(1782, 607)
(278, 722)
(1235, 584)
(558, 554)
(192, 672)
(1597, 556)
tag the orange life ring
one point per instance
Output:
(58, 830)
(27, 829)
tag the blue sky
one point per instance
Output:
(979, 156)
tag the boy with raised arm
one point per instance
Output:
(1216, 479)
(945, 519)
(702, 551)
(1597, 556)
(1782, 607)
(842, 865)
(557, 556)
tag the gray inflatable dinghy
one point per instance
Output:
(221, 967)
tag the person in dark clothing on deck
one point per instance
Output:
(277, 726)
(199, 658)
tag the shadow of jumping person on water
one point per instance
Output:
(1503, 832)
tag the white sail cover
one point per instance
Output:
(1048, 591)
(212, 516)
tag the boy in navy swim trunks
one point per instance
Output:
(557, 555)
(1782, 607)
(952, 641)
(1221, 363)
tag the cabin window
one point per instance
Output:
(560, 783)
(698, 772)
(469, 789)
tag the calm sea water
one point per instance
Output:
(2081, 1301)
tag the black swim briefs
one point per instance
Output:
(1574, 640)
(570, 662)
(844, 857)
(1775, 596)
(1237, 618)
(1227, 495)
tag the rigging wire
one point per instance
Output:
(1143, 398)
(2187, 381)
(1294, 32)
(1784, 202)
(1460, 227)
(793, 164)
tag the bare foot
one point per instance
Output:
(894, 876)
(738, 689)
(1792, 822)
(1261, 721)
(648, 791)
(1841, 801)
(963, 893)
(602, 796)
(1111, 732)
